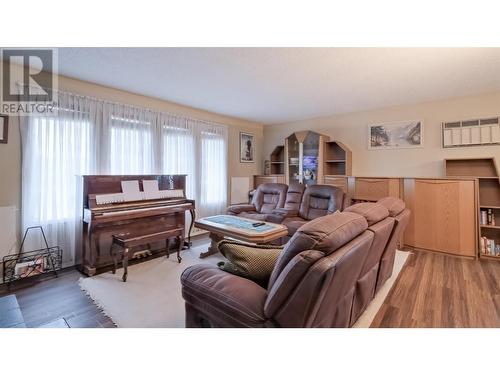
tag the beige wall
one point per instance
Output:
(10, 154)
(351, 129)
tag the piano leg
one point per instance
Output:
(125, 264)
(113, 255)
(181, 241)
(187, 244)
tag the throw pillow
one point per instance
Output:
(254, 262)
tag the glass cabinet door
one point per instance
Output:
(294, 174)
(310, 154)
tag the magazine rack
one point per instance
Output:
(30, 263)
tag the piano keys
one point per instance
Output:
(107, 210)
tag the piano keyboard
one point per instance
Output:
(124, 212)
(121, 197)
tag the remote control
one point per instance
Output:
(258, 224)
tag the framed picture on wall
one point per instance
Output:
(247, 147)
(391, 135)
(4, 128)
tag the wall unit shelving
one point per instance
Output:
(337, 159)
(486, 172)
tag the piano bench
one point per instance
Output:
(143, 237)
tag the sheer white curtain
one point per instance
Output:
(131, 147)
(213, 168)
(55, 150)
(91, 136)
(179, 151)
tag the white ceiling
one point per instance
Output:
(276, 85)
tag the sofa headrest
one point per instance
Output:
(296, 187)
(372, 212)
(272, 188)
(394, 205)
(323, 191)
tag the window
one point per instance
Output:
(213, 172)
(131, 147)
(60, 149)
(179, 155)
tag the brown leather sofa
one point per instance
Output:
(312, 284)
(381, 225)
(266, 198)
(397, 210)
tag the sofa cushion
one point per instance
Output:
(254, 262)
(269, 196)
(394, 205)
(294, 196)
(372, 212)
(326, 234)
(254, 216)
(320, 200)
(221, 296)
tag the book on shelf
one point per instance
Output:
(488, 247)
(487, 217)
(483, 217)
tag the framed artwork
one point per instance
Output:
(4, 128)
(391, 135)
(247, 146)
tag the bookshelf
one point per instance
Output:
(277, 160)
(486, 171)
(337, 159)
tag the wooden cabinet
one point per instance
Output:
(372, 189)
(274, 178)
(443, 215)
(340, 182)
(487, 173)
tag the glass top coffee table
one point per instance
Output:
(240, 228)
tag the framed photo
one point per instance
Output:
(4, 128)
(247, 148)
(400, 134)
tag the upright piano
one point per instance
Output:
(108, 210)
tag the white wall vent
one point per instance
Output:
(485, 131)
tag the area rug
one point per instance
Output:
(151, 297)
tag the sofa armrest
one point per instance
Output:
(239, 208)
(285, 212)
(221, 295)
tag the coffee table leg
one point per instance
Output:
(212, 249)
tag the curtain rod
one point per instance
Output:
(96, 99)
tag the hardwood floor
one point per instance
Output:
(51, 301)
(56, 302)
(432, 290)
(435, 290)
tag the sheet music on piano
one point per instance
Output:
(151, 189)
(131, 192)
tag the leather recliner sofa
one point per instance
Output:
(381, 225)
(266, 198)
(317, 201)
(397, 210)
(298, 205)
(312, 284)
